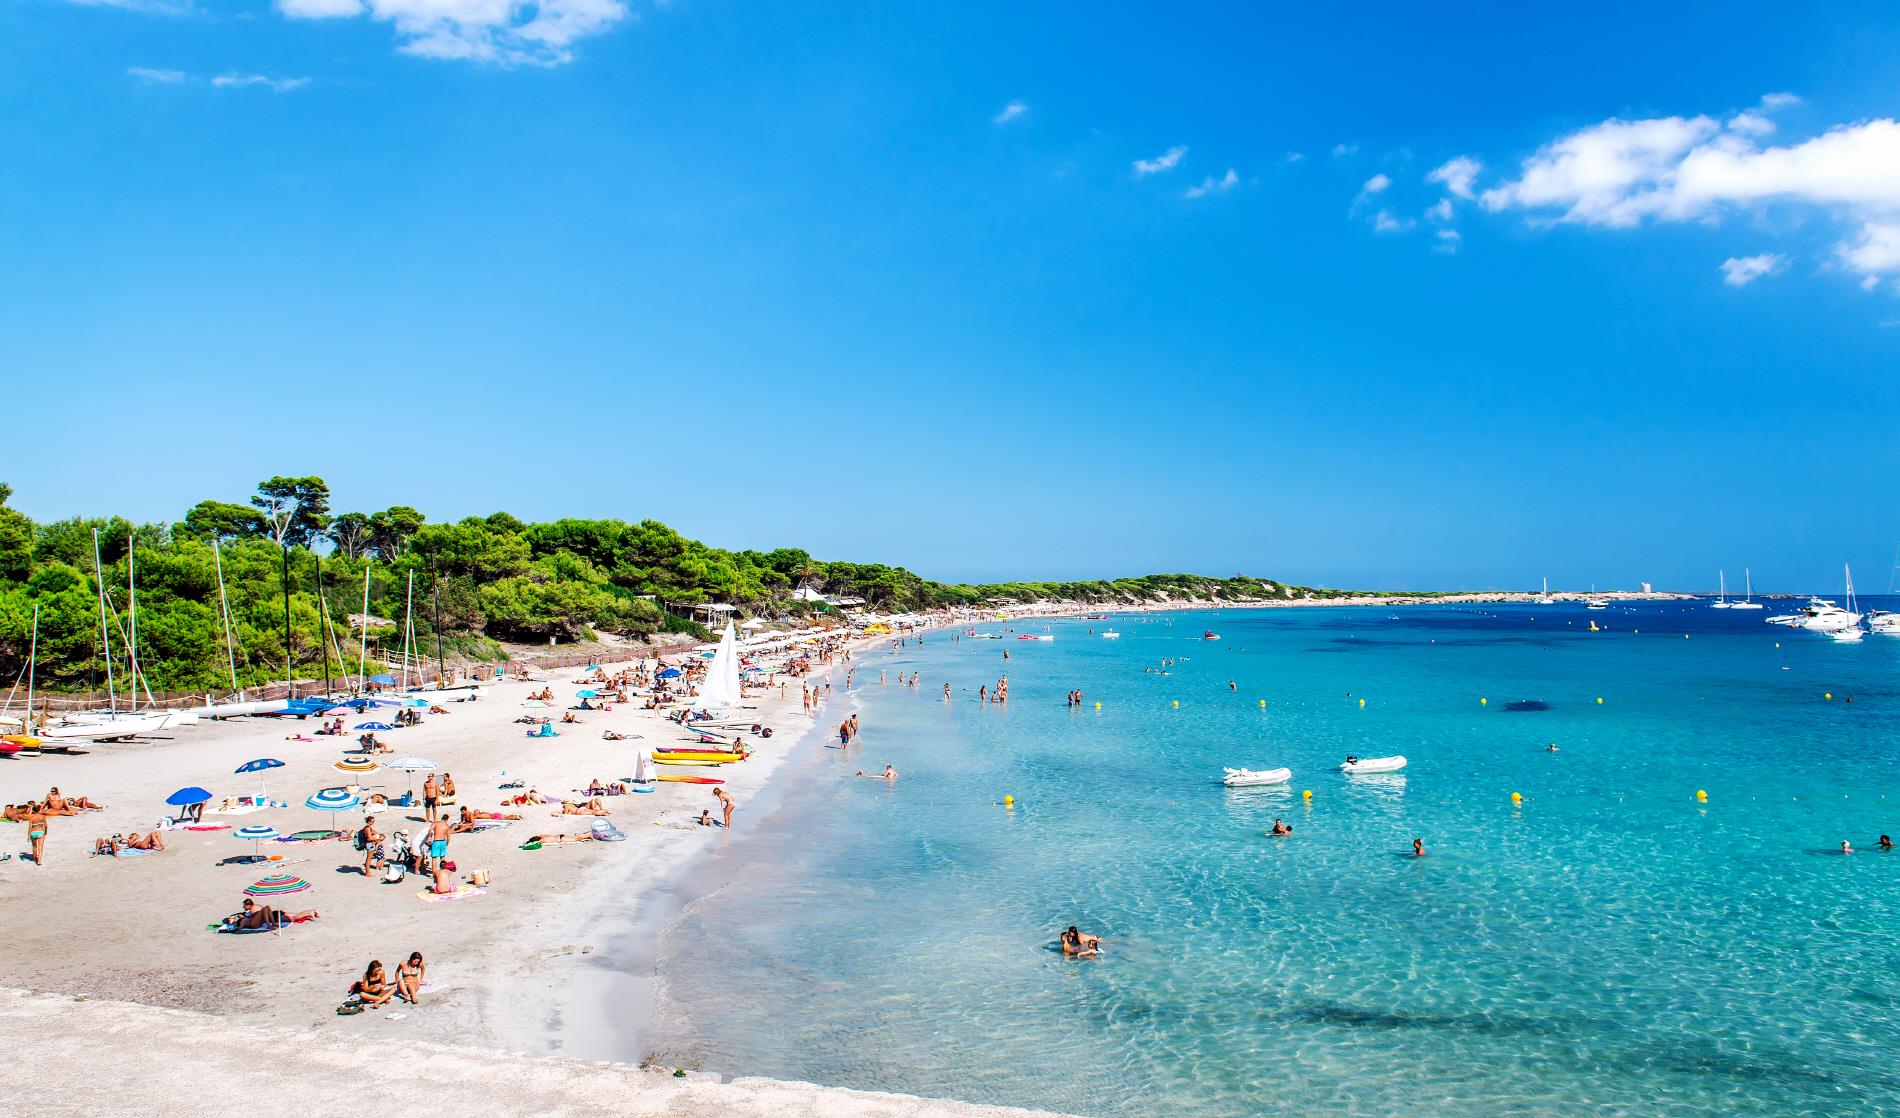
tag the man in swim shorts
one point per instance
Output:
(439, 831)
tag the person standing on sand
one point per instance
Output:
(428, 798)
(438, 852)
(36, 830)
(726, 804)
(371, 841)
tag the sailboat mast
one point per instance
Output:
(441, 671)
(105, 635)
(132, 606)
(362, 642)
(32, 668)
(224, 607)
(323, 616)
(408, 628)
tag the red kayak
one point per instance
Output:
(681, 778)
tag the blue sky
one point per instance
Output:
(1488, 296)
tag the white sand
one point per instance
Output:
(514, 967)
(108, 1058)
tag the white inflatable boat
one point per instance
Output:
(1256, 778)
(1373, 765)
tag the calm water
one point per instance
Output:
(1610, 946)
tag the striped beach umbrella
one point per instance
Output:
(374, 726)
(276, 885)
(257, 834)
(411, 764)
(351, 765)
(333, 799)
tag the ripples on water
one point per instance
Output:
(1609, 946)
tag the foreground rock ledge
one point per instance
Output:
(101, 1058)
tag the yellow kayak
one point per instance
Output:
(699, 755)
(683, 761)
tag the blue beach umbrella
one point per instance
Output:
(185, 797)
(333, 799)
(670, 673)
(383, 678)
(416, 702)
(587, 694)
(258, 766)
(374, 726)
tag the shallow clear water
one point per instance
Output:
(1611, 946)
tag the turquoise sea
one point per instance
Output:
(1609, 946)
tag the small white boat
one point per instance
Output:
(1373, 765)
(1256, 778)
(1209, 635)
(1885, 622)
(1110, 635)
(1596, 603)
(1748, 589)
(1721, 595)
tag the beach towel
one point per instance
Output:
(460, 891)
(124, 852)
(311, 836)
(490, 825)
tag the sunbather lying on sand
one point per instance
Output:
(134, 841)
(471, 817)
(57, 804)
(591, 807)
(555, 840)
(257, 916)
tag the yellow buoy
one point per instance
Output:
(1701, 796)
(1263, 704)
(1484, 702)
(1599, 700)
(1009, 801)
(1517, 797)
(1362, 704)
(1829, 695)
(1098, 706)
(1177, 704)
(1306, 794)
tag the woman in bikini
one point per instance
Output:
(36, 832)
(373, 988)
(409, 978)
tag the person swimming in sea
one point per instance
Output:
(1845, 848)
(1886, 843)
(1418, 848)
(1280, 829)
(1551, 748)
(1079, 946)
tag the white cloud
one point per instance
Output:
(1383, 222)
(1457, 174)
(1448, 240)
(1377, 183)
(1166, 161)
(1623, 173)
(157, 77)
(243, 81)
(1875, 252)
(320, 9)
(1779, 100)
(1212, 185)
(509, 32)
(1293, 157)
(1441, 211)
(1740, 271)
(1342, 150)
(1010, 112)
(151, 7)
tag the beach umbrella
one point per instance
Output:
(276, 885)
(411, 764)
(670, 673)
(185, 797)
(374, 726)
(383, 678)
(257, 834)
(356, 766)
(333, 799)
(589, 694)
(258, 766)
(416, 703)
(536, 703)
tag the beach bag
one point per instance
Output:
(356, 840)
(393, 873)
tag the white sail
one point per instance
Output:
(720, 689)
